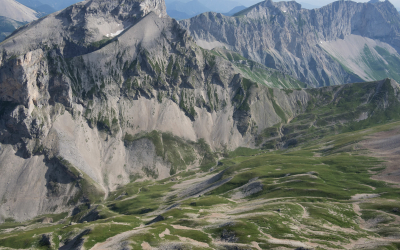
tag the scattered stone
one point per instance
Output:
(193, 204)
(173, 206)
(146, 210)
(157, 219)
(173, 246)
(252, 188)
(75, 211)
(395, 210)
(253, 180)
(121, 196)
(235, 248)
(76, 243)
(229, 236)
(47, 220)
(93, 215)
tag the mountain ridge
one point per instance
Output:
(108, 84)
(290, 37)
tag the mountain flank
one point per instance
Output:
(99, 98)
(16, 11)
(7, 26)
(301, 42)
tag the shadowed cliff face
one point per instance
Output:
(285, 37)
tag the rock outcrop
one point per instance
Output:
(286, 37)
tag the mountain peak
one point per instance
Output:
(76, 28)
(157, 6)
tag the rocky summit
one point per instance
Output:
(121, 128)
(78, 86)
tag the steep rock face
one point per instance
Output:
(112, 91)
(285, 37)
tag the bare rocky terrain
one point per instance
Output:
(386, 146)
(310, 45)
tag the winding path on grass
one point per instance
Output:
(305, 213)
(112, 243)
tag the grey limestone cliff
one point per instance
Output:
(284, 36)
(105, 92)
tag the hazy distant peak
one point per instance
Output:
(16, 11)
(377, 1)
(235, 10)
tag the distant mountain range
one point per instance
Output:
(221, 6)
(235, 10)
(38, 6)
(309, 6)
(13, 15)
(7, 26)
(16, 11)
(55, 5)
(186, 9)
(183, 10)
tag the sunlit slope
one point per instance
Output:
(369, 59)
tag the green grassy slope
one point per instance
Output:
(336, 109)
(260, 73)
(316, 193)
(305, 200)
(375, 62)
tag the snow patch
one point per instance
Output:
(115, 34)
